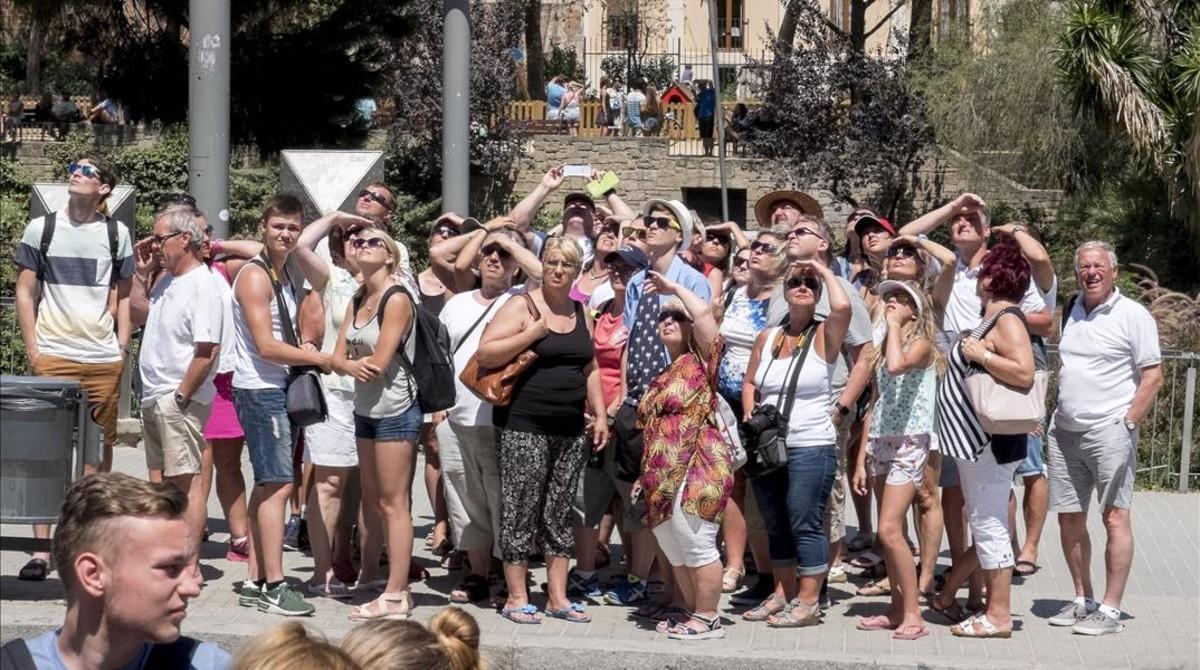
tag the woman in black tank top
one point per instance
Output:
(541, 432)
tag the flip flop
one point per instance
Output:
(522, 615)
(575, 613)
(877, 622)
(35, 570)
(1026, 568)
(910, 633)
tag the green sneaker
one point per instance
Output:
(249, 595)
(283, 600)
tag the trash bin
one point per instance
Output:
(45, 424)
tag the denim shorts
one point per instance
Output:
(1034, 463)
(263, 415)
(404, 426)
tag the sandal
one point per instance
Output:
(473, 588)
(861, 542)
(877, 622)
(774, 604)
(527, 614)
(710, 629)
(651, 609)
(35, 570)
(874, 589)
(867, 560)
(1026, 568)
(672, 616)
(417, 572)
(811, 615)
(952, 612)
(575, 613)
(732, 579)
(910, 633)
(444, 548)
(364, 613)
(986, 628)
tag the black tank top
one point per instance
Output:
(433, 303)
(549, 397)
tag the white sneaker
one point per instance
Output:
(1071, 614)
(837, 574)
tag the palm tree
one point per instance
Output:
(1135, 65)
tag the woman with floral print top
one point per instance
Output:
(687, 468)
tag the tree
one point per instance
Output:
(41, 14)
(835, 116)
(535, 60)
(920, 30)
(1135, 66)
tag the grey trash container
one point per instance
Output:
(45, 429)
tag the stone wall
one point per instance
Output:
(647, 170)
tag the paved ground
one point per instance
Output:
(1163, 600)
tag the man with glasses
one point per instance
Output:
(1111, 372)
(72, 289)
(180, 347)
(799, 217)
(668, 226)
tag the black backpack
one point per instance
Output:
(432, 367)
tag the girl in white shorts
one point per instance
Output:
(899, 425)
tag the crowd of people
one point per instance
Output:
(706, 392)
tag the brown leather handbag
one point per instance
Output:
(495, 385)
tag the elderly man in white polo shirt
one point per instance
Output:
(1110, 375)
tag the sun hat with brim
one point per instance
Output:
(892, 286)
(870, 219)
(681, 213)
(806, 203)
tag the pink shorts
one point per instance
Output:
(222, 421)
(900, 458)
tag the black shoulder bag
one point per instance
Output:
(305, 397)
(764, 432)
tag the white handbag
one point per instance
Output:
(727, 424)
(1007, 410)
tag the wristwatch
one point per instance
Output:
(842, 410)
(1018, 228)
(180, 401)
(1130, 425)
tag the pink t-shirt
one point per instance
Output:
(610, 336)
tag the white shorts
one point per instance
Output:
(687, 540)
(331, 443)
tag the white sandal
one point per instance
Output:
(967, 628)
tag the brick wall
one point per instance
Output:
(647, 171)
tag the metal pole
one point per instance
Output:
(456, 106)
(1189, 415)
(719, 112)
(208, 110)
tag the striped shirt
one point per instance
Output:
(958, 431)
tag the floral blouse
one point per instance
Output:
(683, 446)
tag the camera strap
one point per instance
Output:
(798, 357)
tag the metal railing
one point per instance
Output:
(1168, 451)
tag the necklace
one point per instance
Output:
(596, 277)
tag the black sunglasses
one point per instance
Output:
(717, 237)
(801, 231)
(372, 195)
(812, 283)
(741, 260)
(764, 247)
(661, 222)
(901, 251)
(445, 231)
(160, 239)
(674, 315)
(495, 249)
(180, 199)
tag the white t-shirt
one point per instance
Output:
(459, 314)
(1102, 355)
(964, 309)
(222, 288)
(73, 321)
(184, 311)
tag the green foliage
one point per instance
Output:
(656, 70)
(248, 189)
(564, 61)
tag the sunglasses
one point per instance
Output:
(500, 251)
(762, 247)
(717, 237)
(811, 283)
(208, 230)
(367, 243)
(801, 231)
(610, 229)
(662, 222)
(91, 172)
(161, 239)
(630, 231)
(674, 315)
(445, 231)
(621, 269)
(372, 195)
(901, 251)
(740, 261)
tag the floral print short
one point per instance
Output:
(901, 458)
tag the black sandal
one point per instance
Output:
(474, 587)
(35, 570)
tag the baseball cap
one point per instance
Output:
(891, 286)
(631, 256)
(869, 219)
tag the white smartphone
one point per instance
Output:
(584, 171)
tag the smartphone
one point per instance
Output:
(584, 171)
(598, 188)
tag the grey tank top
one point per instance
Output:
(392, 392)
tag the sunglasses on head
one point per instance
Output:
(631, 231)
(674, 315)
(92, 172)
(445, 231)
(372, 195)
(494, 248)
(808, 281)
(717, 237)
(186, 199)
(662, 222)
(367, 242)
(901, 251)
(763, 247)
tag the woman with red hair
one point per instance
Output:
(998, 346)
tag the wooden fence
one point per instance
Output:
(679, 119)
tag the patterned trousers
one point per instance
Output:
(538, 478)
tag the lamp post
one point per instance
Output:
(456, 106)
(208, 109)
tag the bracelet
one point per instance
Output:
(987, 356)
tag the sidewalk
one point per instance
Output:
(1163, 601)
